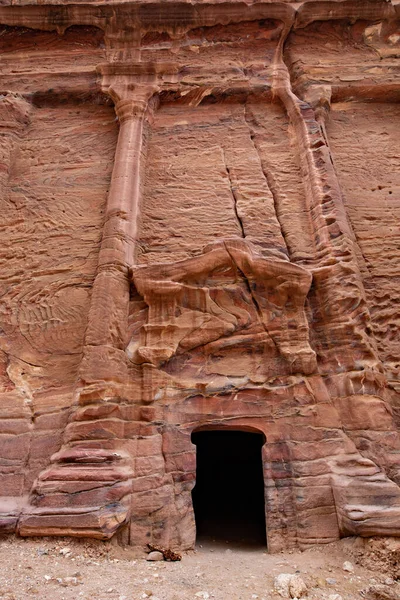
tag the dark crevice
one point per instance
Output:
(234, 196)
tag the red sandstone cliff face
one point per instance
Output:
(199, 230)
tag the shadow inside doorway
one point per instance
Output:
(228, 497)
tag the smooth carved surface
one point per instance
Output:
(198, 230)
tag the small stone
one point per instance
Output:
(297, 587)
(330, 581)
(389, 581)
(204, 595)
(155, 555)
(65, 551)
(335, 597)
(47, 577)
(348, 566)
(282, 583)
(71, 581)
(380, 592)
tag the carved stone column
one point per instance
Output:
(86, 490)
(104, 356)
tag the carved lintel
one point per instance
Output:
(122, 44)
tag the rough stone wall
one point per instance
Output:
(56, 162)
(366, 149)
(199, 230)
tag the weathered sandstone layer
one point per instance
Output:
(200, 229)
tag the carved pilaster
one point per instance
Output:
(341, 316)
(104, 356)
(88, 439)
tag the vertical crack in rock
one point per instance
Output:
(233, 194)
(267, 173)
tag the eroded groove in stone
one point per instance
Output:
(198, 232)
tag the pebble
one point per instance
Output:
(204, 595)
(155, 556)
(330, 581)
(348, 566)
(288, 585)
(380, 592)
(335, 597)
(297, 587)
(281, 584)
(67, 581)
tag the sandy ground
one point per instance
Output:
(71, 569)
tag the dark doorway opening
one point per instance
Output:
(228, 497)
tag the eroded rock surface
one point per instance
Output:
(199, 231)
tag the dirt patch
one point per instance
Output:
(378, 554)
(65, 569)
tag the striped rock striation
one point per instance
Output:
(200, 208)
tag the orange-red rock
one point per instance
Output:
(199, 230)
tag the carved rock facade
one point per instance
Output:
(200, 209)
